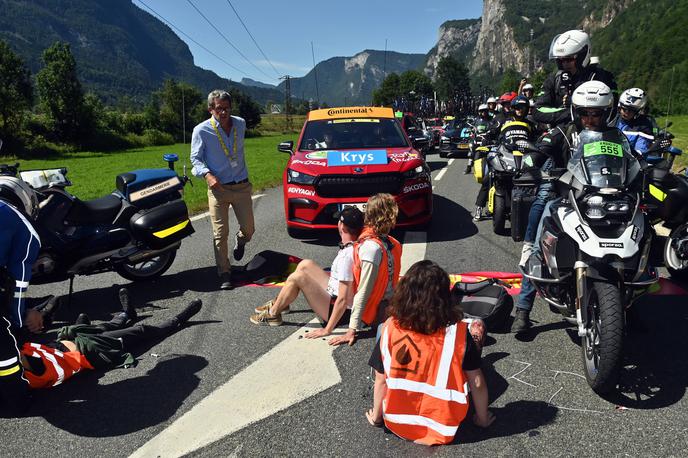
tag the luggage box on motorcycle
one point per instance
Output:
(162, 225)
(149, 187)
(522, 198)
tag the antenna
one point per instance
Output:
(384, 65)
(671, 89)
(315, 74)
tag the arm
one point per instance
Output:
(374, 415)
(365, 289)
(344, 294)
(479, 396)
(199, 167)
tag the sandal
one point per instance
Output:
(369, 417)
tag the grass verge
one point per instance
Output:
(93, 173)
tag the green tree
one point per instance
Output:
(415, 83)
(510, 81)
(243, 105)
(61, 95)
(388, 91)
(16, 93)
(177, 108)
(452, 78)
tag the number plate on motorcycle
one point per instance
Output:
(602, 147)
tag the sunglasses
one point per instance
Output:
(567, 59)
(589, 114)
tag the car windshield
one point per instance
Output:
(604, 159)
(351, 134)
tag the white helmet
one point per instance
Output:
(492, 100)
(483, 106)
(527, 86)
(19, 194)
(593, 94)
(571, 43)
(633, 99)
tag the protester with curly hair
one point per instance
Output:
(425, 362)
(377, 260)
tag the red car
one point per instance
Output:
(345, 155)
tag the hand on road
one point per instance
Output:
(349, 337)
(34, 321)
(317, 333)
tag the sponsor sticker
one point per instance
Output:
(634, 233)
(309, 162)
(611, 245)
(301, 191)
(156, 188)
(368, 157)
(317, 155)
(581, 233)
(602, 147)
(416, 187)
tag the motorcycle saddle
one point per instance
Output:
(102, 210)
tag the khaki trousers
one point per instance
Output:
(238, 196)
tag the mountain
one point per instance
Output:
(456, 39)
(351, 80)
(249, 82)
(119, 48)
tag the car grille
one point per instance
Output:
(358, 186)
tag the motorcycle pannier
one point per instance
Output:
(162, 225)
(522, 198)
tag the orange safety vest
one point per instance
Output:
(383, 275)
(427, 393)
(59, 366)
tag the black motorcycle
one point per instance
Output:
(135, 231)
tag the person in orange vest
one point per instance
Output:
(84, 346)
(426, 363)
(377, 261)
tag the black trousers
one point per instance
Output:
(133, 336)
(481, 200)
(14, 388)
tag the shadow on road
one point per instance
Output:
(436, 165)
(450, 221)
(85, 408)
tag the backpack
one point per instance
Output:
(265, 265)
(487, 300)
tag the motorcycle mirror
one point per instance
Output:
(0, 143)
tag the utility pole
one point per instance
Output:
(315, 74)
(287, 101)
(384, 65)
(531, 61)
(183, 118)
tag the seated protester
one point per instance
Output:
(377, 261)
(102, 346)
(329, 295)
(425, 360)
(637, 126)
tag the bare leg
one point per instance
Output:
(310, 278)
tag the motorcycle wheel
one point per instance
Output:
(148, 269)
(677, 267)
(602, 346)
(499, 215)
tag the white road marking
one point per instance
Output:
(413, 250)
(450, 161)
(441, 174)
(206, 214)
(294, 370)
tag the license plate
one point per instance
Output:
(463, 145)
(361, 206)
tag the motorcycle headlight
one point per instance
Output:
(444, 139)
(417, 172)
(295, 177)
(599, 207)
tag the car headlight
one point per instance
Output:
(417, 172)
(299, 177)
(444, 139)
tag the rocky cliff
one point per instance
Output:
(456, 39)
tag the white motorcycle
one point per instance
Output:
(593, 246)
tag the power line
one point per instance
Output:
(191, 39)
(254, 40)
(227, 39)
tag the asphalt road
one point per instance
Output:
(543, 405)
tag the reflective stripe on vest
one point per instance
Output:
(59, 366)
(383, 276)
(426, 397)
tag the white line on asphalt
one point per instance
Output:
(205, 214)
(441, 174)
(450, 161)
(294, 370)
(413, 250)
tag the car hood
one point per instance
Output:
(315, 162)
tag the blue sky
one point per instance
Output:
(284, 30)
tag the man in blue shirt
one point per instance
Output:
(637, 127)
(217, 154)
(19, 245)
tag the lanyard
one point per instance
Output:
(233, 156)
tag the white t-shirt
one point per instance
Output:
(342, 270)
(372, 252)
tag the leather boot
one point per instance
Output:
(522, 321)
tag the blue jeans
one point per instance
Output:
(526, 297)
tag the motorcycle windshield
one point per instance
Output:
(604, 160)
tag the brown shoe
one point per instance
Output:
(265, 319)
(266, 307)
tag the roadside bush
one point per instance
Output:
(154, 137)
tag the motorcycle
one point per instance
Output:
(593, 246)
(665, 199)
(505, 162)
(135, 231)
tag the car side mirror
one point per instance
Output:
(286, 147)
